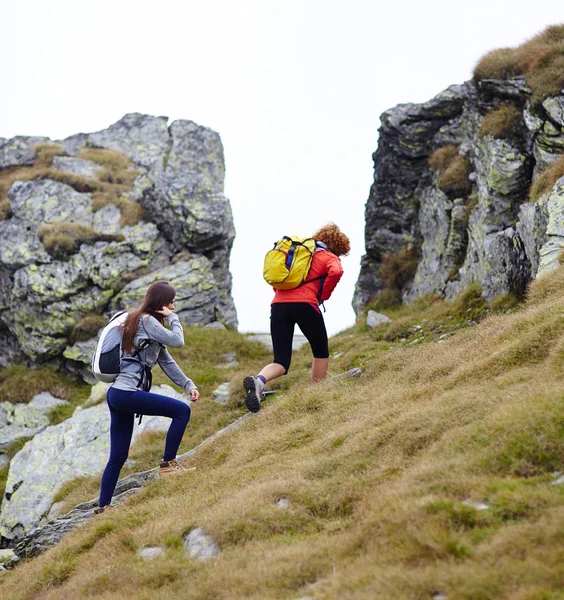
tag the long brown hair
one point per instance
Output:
(159, 294)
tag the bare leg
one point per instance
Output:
(272, 371)
(319, 368)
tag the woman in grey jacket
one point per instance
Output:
(144, 341)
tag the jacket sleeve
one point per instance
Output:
(334, 274)
(158, 333)
(173, 371)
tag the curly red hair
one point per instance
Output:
(335, 240)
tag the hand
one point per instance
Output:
(194, 394)
(165, 311)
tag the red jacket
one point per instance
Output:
(323, 263)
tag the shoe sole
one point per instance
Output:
(251, 400)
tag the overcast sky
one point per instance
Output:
(294, 87)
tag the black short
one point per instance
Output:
(284, 316)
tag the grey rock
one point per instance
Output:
(19, 150)
(558, 481)
(4, 458)
(477, 505)
(506, 88)
(19, 421)
(151, 552)
(374, 319)
(230, 359)
(196, 290)
(264, 338)
(144, 138)
(6, 554)
(78, 166)
(555, 108)
(215, 325)
(45, 402)
(283, 503)
(531, 228)
(199, 545)
(551, 249)
(221, 394)
(44, 201)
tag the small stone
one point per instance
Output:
(4, 460)
(151, 552)
(215, 325)
(559, 481)
(337, 354)
(476, 505)
(283, 503)
(373, 319)
(440, 597)
(6, 555)
(199, 545)
(221, 394)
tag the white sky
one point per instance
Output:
(294, 87)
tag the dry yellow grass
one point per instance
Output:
(453, 171)
(503, 122)
(540, 61)
(545, 181)
(115, 178)
(63, 239)
(379, 472)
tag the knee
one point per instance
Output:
(185, 412)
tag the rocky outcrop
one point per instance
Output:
(185, 235)
(78, 447)
(483, 231)
(49, 534)
(25, 420)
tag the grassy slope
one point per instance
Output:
(376, 470)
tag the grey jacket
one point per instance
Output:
(155, 352)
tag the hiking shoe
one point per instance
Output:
(254, 389)
(101, 509)
(170, 467)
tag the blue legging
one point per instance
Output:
(123, 407)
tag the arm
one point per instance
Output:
(158, 333)
(334, 274)
(173, 371)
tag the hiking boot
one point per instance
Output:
(254, 389)
(170, 467)
(101, 509)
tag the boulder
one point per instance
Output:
(180, 184)
(374, 319)
(222, 394)
(19, 421)
(552, 248)
(77, 166)
(199, 545)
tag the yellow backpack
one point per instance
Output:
(286, 266)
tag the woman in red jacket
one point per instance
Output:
(301, 306)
